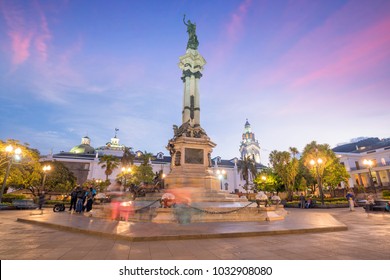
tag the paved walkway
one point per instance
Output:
(296, 222)
(310, 234)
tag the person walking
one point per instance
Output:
(351, 202)
(302, 201)
(41, 200)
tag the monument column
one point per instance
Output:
(191, 148)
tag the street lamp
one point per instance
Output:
(369, 163)
(220, 175)
(125, 171)
(46, 169)
(10, 155)
(316, 163)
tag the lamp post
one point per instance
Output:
(162, 180)
(220, 175)
(46, 169)
(316, 163)
(264, 181)
(125, 171)
(369, 163)
(10, 154)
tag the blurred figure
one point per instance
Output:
(350, 197)
(308, 203)
(370, 203)
(73, 199)
(89, 196)
(167, 200)
(302, 201)
(80, 199)
(41, 200)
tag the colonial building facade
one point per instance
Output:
(367, 161)
(83, 161)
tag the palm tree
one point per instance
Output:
(109, 162)
(293, 168)
(247, 170)
(146, 158)
(128, 156)
(294, 151)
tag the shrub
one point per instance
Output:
(386, 193)
(9, 197)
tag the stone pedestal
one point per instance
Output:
(204, 205)
(190, 166)
(191, 214)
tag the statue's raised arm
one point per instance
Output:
(191, 27)
(191, 30)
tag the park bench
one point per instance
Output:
(24, 204)
(379, 205)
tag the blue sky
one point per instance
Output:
(298, 70)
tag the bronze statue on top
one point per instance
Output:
(192, 38)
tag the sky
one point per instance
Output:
(299, 71)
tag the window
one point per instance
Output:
(160, 155)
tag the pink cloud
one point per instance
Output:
(233, 31)
(27, 32)
(20, 46)
(20, 40)
(360, 53)
(343, 49)
(44, 36)
(235, 26)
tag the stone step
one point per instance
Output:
(205, 197)
(210, 214)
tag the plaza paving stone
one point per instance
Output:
(315, 234)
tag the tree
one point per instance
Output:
(128, 156)
(146, 158)
(269, 181)
(286, 166)
(98, 185)
(323, 165)
(293, 169)
(125, 177)
(247, 169)
(109, 162)
(335, 174)
(60, 179)
(144, 172)
(25, 172)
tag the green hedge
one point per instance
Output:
(8, 197)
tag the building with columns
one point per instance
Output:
(367, 161)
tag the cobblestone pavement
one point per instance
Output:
(367, 238)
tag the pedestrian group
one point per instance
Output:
(81, 199)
